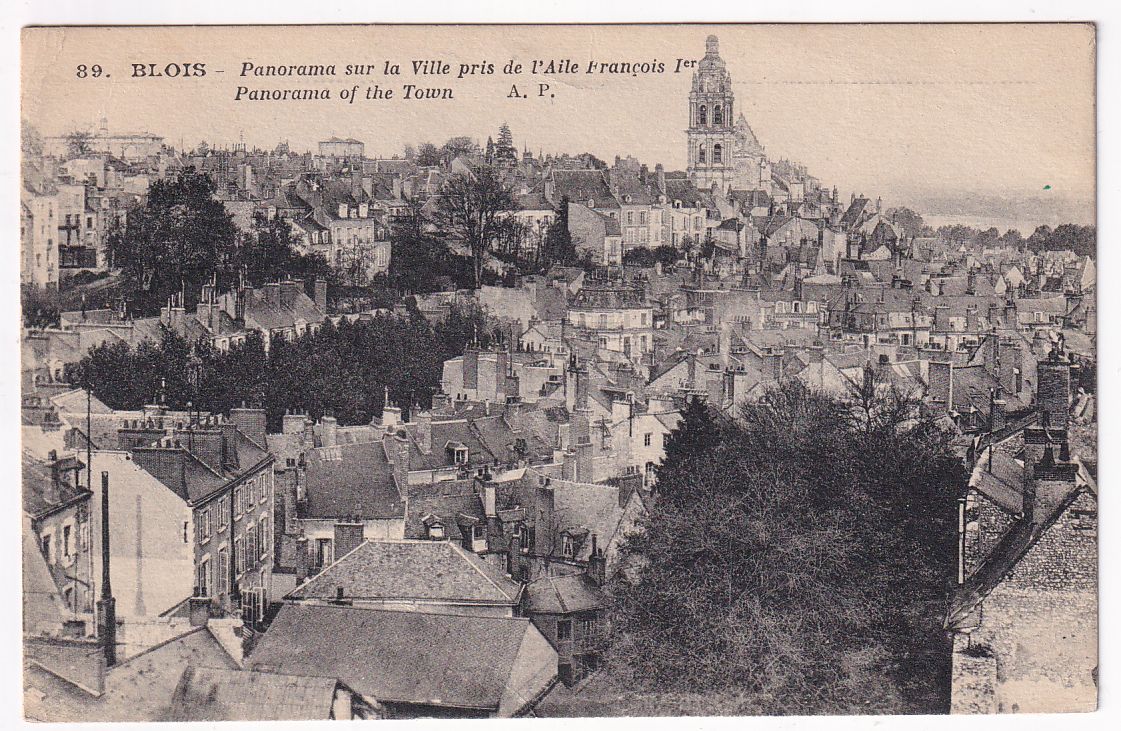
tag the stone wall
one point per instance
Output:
(1040, 627)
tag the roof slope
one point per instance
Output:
(220, 694)
(352, 480)
(404, 657)
(423, 570)
(564, 594)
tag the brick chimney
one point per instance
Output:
(303, 559)
(328, 431)
(289, 292)
(972, 322)
(997, 410)
(198, 610)
(1053, 391)
(423, 431)
(397, 450)
(471, 368)
(941, 379)
(942, 318)
(597, 564)
(272, 294)
(251, 422)
(349, 535)
(320, 289)
(292, 423)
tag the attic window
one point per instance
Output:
(461, 455)
(591, 203)
(568, 546)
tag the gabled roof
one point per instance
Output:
(224, 694)
(457, 498)
(854, 213)
(582, 186)
(138, 689)
(40, 495)
(351, 480)
(401, 657)
(588, 509)
(428, 571)
(564, 595)
(1052, 500)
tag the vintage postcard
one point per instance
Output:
(460, 371)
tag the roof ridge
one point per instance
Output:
(471, 563)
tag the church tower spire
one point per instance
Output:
(711, 133)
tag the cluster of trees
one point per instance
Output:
(797, 559)
(427, 154)
(470, 226)
(908, 222)
(1082, 240)
(343, 371)
(182, 236)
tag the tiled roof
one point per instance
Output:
(458, 498)
(403, 657)
(1052, 500)
(43, 608)
(596, 298)
(582, 186)
(222, 694)
(564, 594)
(39, 494)
(588, 507)
(435, 571)
(138, 689)
(351, 480)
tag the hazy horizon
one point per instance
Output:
(908, 112)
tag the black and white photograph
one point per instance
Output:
(375, 371)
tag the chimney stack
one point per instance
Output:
(597, 564)
(107, 606)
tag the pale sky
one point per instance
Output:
(993, 108)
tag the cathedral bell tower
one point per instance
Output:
(711, 132)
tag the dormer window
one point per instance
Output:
(461, 455)
(568, 546)
(436, 532)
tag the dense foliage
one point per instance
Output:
(559, 246)
(797, 559)
(642, 256)
(341, 370)
(182, 237)
(472, 211)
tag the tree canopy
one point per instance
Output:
(798, 558)
(342, 370)
(175, 242)
(471, 209)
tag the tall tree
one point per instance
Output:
(269, 253)
(79, 143)
(427, 155)
(174, 243)
(801, 564)
(471, 209)
(459, 147)
(909, 222)
(559, 248)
